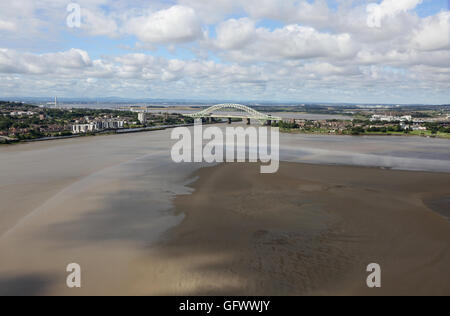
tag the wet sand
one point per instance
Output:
(307, 230)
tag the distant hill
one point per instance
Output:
(16, 104)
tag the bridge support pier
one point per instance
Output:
(229, 120)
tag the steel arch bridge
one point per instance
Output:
(248, 113)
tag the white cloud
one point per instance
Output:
(7, 26)
(314, 13)
(13, 62)
(211, 11)
(235, 34)
(433, 33)
(275, 49)
(73, 72)
(241, 41)
(96, 23)
(178, 24)
(404, 59)
(388, 8)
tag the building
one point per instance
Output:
(97, 126)
(390, 118)
(21, 113)
(82, 128)
(142, 117)
(405, 126)
(110, 124)
(406, 118)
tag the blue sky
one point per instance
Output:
(386, 51)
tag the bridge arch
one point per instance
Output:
(249, 113)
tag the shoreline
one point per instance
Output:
(294, 132)
(105, 133)
(152, 129)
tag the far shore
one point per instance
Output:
(10, 141)
(103, 133)
(390, 134)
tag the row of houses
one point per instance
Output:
(390, 118)
(319, 123)
(21, 113)
(97, 126)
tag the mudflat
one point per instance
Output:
(306, 230)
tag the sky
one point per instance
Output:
(352, 51)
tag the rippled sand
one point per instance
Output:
(305, 230)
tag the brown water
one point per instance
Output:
(101, 201)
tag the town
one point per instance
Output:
(376, 125)
(428, 121)
(27, 122)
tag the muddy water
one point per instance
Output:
(101, 201)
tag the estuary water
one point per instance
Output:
(101, 201)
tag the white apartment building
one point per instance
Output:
(142, 117)
(82, 128)
(386, 118)
(20, 113)
(97, 126)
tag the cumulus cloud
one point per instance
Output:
(433, 33)
(74, 71)
(177, 24)
(26, 63)
(404, 59)
(211, 11)
(235, 34)
(96, 23)
(388, 8)
(242, 41)
(19, 18)
(273, 49)
(314, 13)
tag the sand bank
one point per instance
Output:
(306, 230)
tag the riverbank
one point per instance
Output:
(427, 134)
(11, 141)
